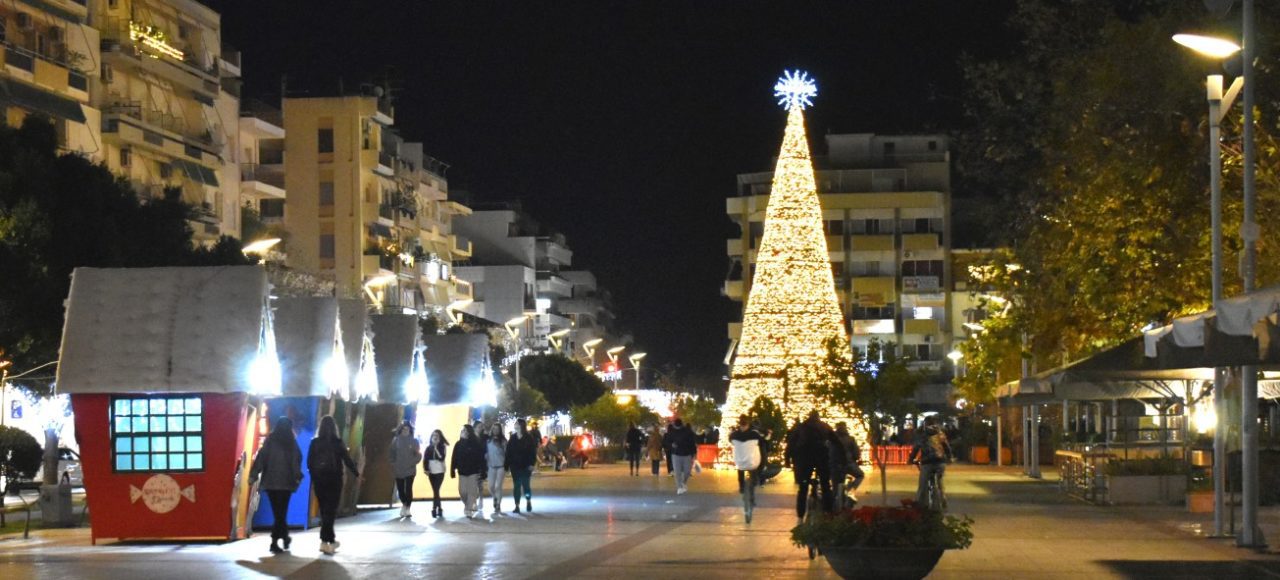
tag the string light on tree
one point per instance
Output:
(792, 309)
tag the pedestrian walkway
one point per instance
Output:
(602, 523)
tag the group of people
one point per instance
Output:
(825, 457)
(479, 455)
(677, 444)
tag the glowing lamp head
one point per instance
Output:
(795, 89)
(955, 356)
(264, 374)
(1208, 45)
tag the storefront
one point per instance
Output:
(397, 350)
(457, 368)
(166, 368)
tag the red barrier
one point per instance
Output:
(893, 454)
(707, 455)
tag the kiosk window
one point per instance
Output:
(157, 434)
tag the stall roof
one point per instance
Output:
(455, 364)
(164, 330)
(353, 318)
(307, 339)
(396, 339)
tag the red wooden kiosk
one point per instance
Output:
(165, 367)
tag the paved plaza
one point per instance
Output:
(600, 523)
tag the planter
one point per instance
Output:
(1145, 489)
(1200, 502)
(980, 455)
(1006, 456)
(882, 563)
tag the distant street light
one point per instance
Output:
(513, 328)
(590, 348)
(635, 364)
(260, 246)
(555, 337)
(1218, 48)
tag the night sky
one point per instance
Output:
(624, 124)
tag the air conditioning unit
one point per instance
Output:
(25, 22)
(57, 34)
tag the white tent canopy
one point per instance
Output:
(312, 359)
(168, 330)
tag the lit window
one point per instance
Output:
(157, 434)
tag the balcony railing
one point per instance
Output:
(269, 175)
(386, 211)
(167, 121)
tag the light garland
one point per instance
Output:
(153, 38)
(792, 309)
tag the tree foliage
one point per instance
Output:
(610, 418)
(773, 424)
(60, 212)
(19, 454)
(524, 402)
(562, 381)
(875, 390)
(1091, 144)
(697, 411)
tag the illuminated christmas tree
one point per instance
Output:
(792, 309)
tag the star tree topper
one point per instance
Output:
(795, 89)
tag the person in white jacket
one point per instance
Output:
(747, 457)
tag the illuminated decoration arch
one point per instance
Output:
(792, 308)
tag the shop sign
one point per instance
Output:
(161, 494)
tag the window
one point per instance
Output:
(166, 170)
(326, 193)
(933, 145)
(326, 247)
(325, 139)
(889, 149)
(157, 434)
(837, 270)
(126, 156)
(923, 226)
(271, 208)
(835, 227)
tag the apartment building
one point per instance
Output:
(367, 209)
(521, 268)
(886, 210)
(260, 155)
(50, 54)
(169, 97)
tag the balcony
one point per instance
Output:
(921, 242)
(262, 181)
(923, 326)
(554, 285)
(921, 283)
(554, 252)
(733, 289)
(462, 290)
(460, 247)
(147, 119)
(734, 247)
(386, 165)
(372, 265)
(869, 327)
(872, 243)
(51, 71)
(874, 291)
(129, 44)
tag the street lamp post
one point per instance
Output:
(1219, 104)
(590, 348)
(513, 328)
(635, 364)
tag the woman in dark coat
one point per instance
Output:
(325, 459)
(279, 464)
(522, 455)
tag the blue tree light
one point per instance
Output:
(795, 89)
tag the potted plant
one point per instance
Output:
(1152, 480)
(900, 542)
(1200, 494)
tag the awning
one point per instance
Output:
(28, 97)
(1242, 330)
(197, 172)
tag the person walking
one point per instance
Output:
(666, 449)
(635, 441)
(279, 464)
(521, 457)
(468, 460)
(748, 458)
(406, 452)
(807, 452)
(325, 459)
(496, 458)
(655, 450)
(437, 450)
(683, 447)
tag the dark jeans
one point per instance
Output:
(657, 463)
(633, 460)
(328, 492)
(755, 476)
(404, 488)
(520, 482)
(803, 474)
(668, 462)
(279, 499)
(436, 479)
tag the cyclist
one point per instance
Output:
(932, 452)
(748, 454)
(807, 452)
(855, 457)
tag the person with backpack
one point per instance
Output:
(932, 452)
(325, 460)
(468, 460)
(855, 459)
(748, 457)
(807, 452)
(279, 464)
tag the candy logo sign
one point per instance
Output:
(161, 494)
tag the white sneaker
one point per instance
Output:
(404, 511)
(681, 490)
(334, 544)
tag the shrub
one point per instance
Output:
(908, 526)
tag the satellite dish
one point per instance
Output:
(1219, 8)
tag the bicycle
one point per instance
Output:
(749, 493)
(813, 507)
(934, 496)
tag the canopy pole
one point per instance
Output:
(999, 435)
(1219, 449)
(1035, 442)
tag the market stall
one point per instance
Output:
(397, 350)
(457, 368)
(314, 379)
(165, 368)
(357, 338)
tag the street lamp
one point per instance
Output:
(513, 328)
(635, 364)
(454, 310)
(1219, 104)
(555, 337)
(590, 348)
(260, 248)
(377, 282)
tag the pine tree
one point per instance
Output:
(792, 309)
